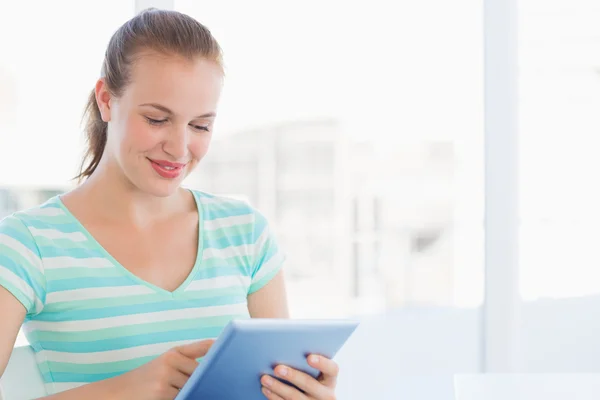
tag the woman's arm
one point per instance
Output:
(157, 380)
(13, 314)
(271, 300)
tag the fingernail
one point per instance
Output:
(314, 359)
(266, 391)
(283, 371)
(267, 381)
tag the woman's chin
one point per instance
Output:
(160, 187)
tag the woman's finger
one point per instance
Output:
(181, 363)
(328, 368)
(195, 350)
(270, 395)
(178, 380)
(281, 389)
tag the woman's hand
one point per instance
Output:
(163, 377)
(322, 388)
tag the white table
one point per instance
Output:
(527, 387)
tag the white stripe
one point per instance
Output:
(220, 223)
(219, 282)
(101, 357)
(20, 284)
(264, 236)
(134, 319)
(97, 293)
(46, 211)
(224, 200)
(228, 252)
(269, 267)
(69, 262)
(20, 248)
(57, 387)
(56, 234)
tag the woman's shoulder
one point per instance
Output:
(228, 210)
(32, 218)
(223, 203)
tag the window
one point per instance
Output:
(367, 127)
(47, 70)
(559, 123)
(357, 130)
(46, 73)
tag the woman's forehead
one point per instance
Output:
(176, 80)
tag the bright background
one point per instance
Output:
(358, 129)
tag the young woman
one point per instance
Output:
(122, 283)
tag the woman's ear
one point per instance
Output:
(103, 98)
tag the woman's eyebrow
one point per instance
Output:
(168, 111)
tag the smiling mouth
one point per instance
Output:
(167, 169)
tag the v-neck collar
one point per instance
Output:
(130, 274)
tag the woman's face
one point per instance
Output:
(161, 126)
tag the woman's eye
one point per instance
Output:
(201, 128)
(153, 121)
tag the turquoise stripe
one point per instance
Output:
(159, 305)
(80, 378)
(65, 226)
(15, 291)
(148, 332)
(51, 203)
(229, 241)
(23, 237)
(95, 304)
(51, 251)
(108, 302)
(12, 258)
(49, 219)
(255, 286)
(260, 225)
(104, 368)
(65, 244)
(200, 194)
(84, 283)
(218, 232)
(270, 251)
(81, 272)
(25, 272)
(134, 330)
(216, 213)
(221, 268)
(133, 341)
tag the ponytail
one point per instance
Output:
(95, 132)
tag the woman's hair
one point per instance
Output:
(164, 31)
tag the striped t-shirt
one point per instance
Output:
(88, 318)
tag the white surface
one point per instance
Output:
(22, 379)
(409, 354)
(501, 308)
(527, 387)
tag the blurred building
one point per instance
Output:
(15, 198)
(364, 228)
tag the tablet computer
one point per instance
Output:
(249, 348)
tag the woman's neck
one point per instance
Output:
(114, 198)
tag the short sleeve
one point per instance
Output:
(269, 257)
(21, 270)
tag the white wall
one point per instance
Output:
(561, 336)
(410, 354)
(414, 353)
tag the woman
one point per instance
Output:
(122, 283)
